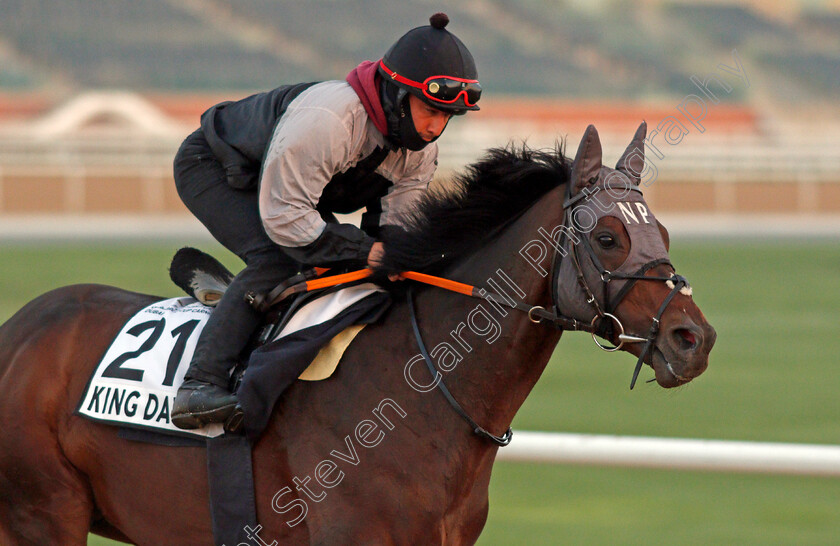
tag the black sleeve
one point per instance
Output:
(340, 245)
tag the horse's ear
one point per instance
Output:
(666, 237)
(632, 162)
(587, 163)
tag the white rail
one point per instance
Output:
(673, 453)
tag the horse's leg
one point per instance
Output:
(43, 500)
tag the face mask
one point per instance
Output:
(646, 244)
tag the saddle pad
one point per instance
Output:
(136, 381)
(328, 357)
(319, 311)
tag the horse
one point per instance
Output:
(374, 454)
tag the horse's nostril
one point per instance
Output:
(685, 339)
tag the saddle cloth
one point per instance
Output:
(136, 381)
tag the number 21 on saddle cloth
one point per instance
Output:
(137, 379)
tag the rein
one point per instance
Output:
(500, 441)
(537, 314)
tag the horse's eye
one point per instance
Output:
(606, 241)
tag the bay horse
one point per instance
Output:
(375, 454)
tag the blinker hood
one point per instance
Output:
(595, 193)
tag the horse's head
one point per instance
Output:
(614, 271)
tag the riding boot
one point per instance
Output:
(204, 397)
(198, 403)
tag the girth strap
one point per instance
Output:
(500, 441)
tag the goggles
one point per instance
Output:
(442, 89)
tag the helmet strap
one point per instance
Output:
(390, 96)
(401, 130)
(411, 139)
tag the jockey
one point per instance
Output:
(265, 175)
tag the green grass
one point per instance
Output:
(773, 376)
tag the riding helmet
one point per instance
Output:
(432, 64)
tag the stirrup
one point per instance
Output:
(233, 424)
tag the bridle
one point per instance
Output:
(601, 324)
(606, 310)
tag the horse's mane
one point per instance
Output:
(448, 223)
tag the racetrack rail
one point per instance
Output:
(673, 453)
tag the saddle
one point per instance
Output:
(206, 279)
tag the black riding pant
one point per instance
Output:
(232, 217)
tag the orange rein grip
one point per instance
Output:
(338, 279)
(447, 284)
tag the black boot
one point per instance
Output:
(204, 396)
(198, 403)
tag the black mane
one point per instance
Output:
(447, 224)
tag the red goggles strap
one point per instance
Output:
(424, 86)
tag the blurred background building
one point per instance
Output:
(96, 95)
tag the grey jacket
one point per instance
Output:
(326, 131)
(310, 149)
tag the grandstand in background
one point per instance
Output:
(95, 97)
(111, 152)
(609, 49)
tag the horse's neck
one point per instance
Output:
(503, 352)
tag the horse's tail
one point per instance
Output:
(200, 275)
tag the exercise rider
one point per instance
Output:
(265, 175)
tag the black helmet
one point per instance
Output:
(435, 66)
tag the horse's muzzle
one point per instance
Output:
(682, 352)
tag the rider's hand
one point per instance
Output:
(375, 255)
(374, 260)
